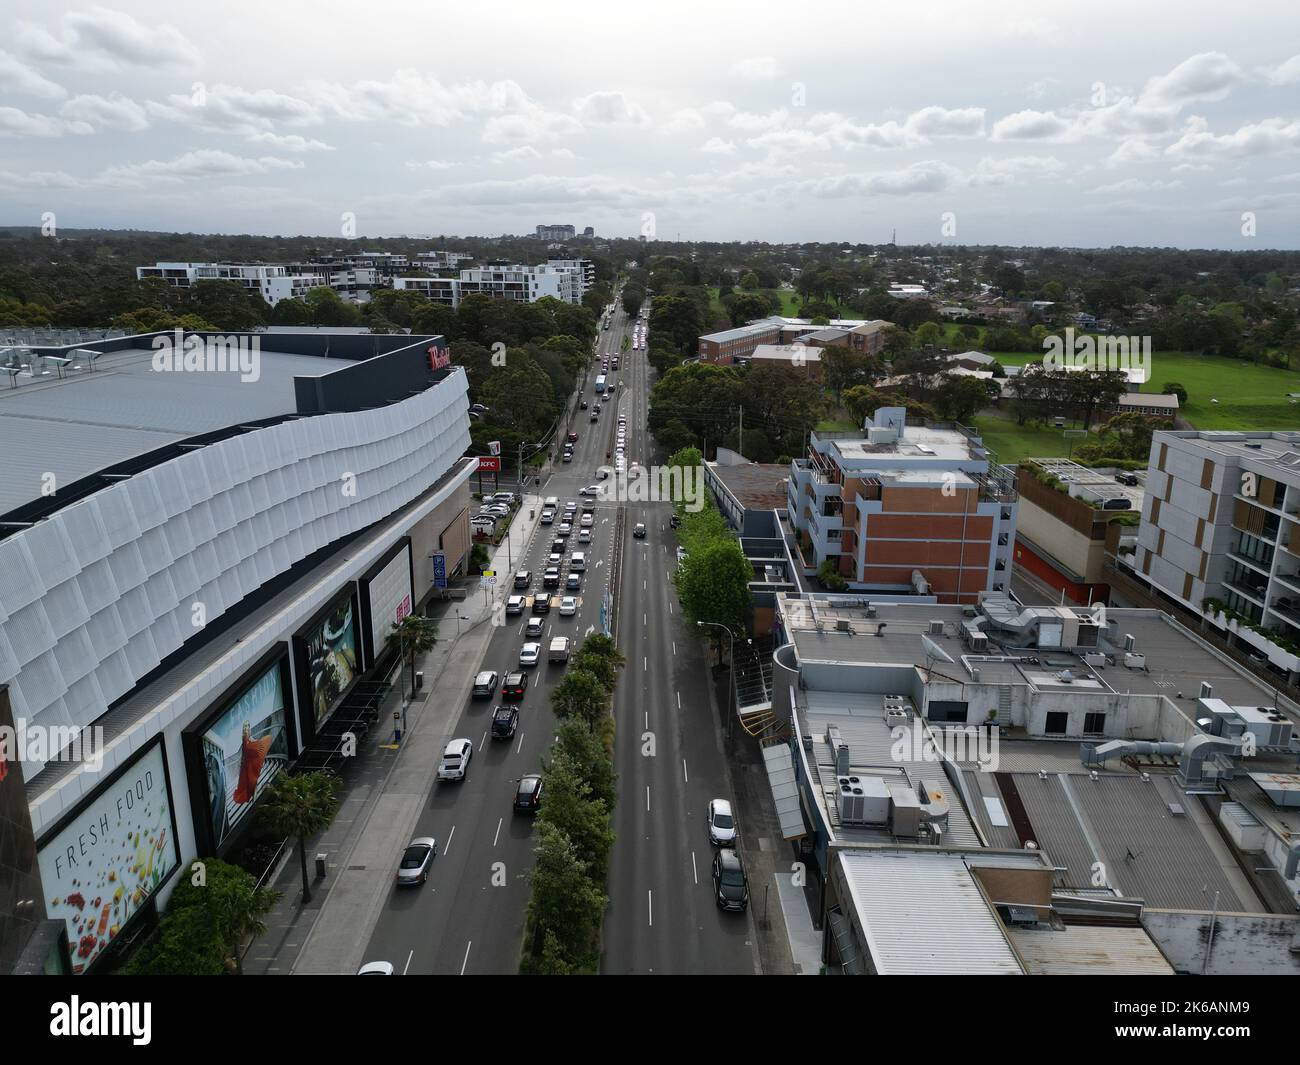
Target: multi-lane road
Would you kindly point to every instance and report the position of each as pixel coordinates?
(470, 915)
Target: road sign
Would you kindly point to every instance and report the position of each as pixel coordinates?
(440, 570)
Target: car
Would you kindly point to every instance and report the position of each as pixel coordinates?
(523, 578)
(554, 559)
(582, 405)
(639, 531)
(528, 794)
(542, 601)
(530, 653)
(588, 505)
(590, 490)
(577, 561)
(376, 968)
(572, 437)
(485, 684)
(570, 506)
(588, 520)
(455, 760)
(681, 555)
(508, 498)
(595, 417)
(674, 522)
(505, 719)
(572, 583)
(584, 535)
(551, 579)
(557, 544)
(413, 867)
(722, 825)
(567, 457)
(565, 529)
(535, 627)
(514, 605)
(514, 687)
(568, 606)
(548, 516)
(730, 885)
(551, 502)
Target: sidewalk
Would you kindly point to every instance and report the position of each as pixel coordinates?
(382, 794)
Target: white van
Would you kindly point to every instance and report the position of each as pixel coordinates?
(551, 502)
(578, 561)
(559, 651)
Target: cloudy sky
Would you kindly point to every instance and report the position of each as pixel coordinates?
(1015, 123)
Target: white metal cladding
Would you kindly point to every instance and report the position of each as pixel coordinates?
(96, 596)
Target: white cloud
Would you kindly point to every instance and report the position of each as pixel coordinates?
(204, 163)
(541, 189)
(610, 109)
(926, 177)
(990, 171)
(717, 146)
(756, 68)
(38, 179)
(1136, 185)
(524, 151)
(290, 142)
(1208, 76)
(685, 120)
(829, 130)
(1131, 152)
(103, 40)
(17, 76)
(1287, 73)
(111, 112)
(1272, 136)
(17, 123)
(1032, 125)
(231, 109)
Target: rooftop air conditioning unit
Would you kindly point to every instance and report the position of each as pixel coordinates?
(936, 627)
(895, 718)
(1207, 689)
(979, 642)
(1135, 661)
(842, 625)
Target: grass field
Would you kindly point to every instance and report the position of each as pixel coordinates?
(1014, 442)
(789, 304)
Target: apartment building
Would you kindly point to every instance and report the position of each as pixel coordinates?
(441, 260)
(557, 232)
(1220, 534)
(584, 268)
(560, 279)
(904, 509)
(270, 281)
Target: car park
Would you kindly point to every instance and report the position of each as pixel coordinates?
(514, 687)
(485, 684)
(413, 866)
(730, 885)
(530, 654)
(568, 606)
(639, 531)
(455, 760)
(505, 719)
(528, 794)
(722, 823)
(535, 627)
(514, 605)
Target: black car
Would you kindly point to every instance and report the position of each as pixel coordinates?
(514, 687)
(542, 603)
(582, 405)
(674, 521)
(528, 796)
(485, 684)
(551, 579)
(505, 719)
(730, 885)
(639, 531)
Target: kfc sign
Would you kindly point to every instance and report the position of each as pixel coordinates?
(489, 464)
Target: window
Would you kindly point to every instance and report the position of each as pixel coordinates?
(1058, 722)
(1094, 724)
(947, 710)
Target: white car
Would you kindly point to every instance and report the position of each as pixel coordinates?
(584, 535)
(722, 824)
(554, 560)
(591, 490)
(587, 521)
(531, 652)
(376, 968)
(455, 760)
(565, 529)
(514, 605)
(568, 606)
(548, 516)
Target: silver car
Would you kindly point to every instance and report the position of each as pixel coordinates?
(416, 860)
(722, 825)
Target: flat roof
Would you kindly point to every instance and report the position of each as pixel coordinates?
(916, 442)
(1279, 449)
(1089, 950)
(73, 426)
(787, 352)
(755, 485)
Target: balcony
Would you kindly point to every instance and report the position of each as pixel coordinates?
(1246, 560)
(1254, 592)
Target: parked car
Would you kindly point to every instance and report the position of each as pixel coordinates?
(582, 404)
(722, 825)
(455, 760)
(674, 522)
(485, 685)
(529, 654)
(514, 687)
(413, 868)
(505, 719)
(730, 885)
(567, 457)
(528, 794)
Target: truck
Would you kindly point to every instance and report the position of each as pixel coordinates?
(559, 651)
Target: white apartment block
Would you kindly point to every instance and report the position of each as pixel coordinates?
(1221, 522)
(561, 279)
(273, 283)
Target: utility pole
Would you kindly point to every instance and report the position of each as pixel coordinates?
(740, 442)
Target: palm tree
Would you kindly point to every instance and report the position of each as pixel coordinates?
(415, 635)
(240, 906)
(300, 806)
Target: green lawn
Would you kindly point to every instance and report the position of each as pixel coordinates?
(789, 304)
(1014, 442)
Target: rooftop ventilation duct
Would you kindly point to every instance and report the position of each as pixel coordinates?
(1097, 757)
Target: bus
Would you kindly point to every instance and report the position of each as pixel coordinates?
(600, 385)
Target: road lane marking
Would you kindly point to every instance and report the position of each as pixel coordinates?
(647, 798)
(650, 906)
(466, 961)
(679, 700)
(674, 648)
(408, 962)
(446, 848)
(685, 775)
(500, 821)
(695, 872)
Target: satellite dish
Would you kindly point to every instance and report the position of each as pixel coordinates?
(933, 650)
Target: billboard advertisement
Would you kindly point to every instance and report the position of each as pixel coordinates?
(388, 594)
(327, 651)
(243, 750)
(439, 354)
(104, 863)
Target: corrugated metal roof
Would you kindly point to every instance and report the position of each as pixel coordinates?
(1089, 951)
(778, 760)
(923, 914)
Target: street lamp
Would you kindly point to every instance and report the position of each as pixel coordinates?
(731, 655)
